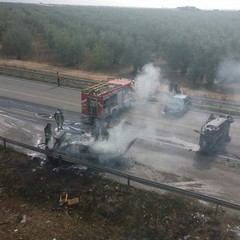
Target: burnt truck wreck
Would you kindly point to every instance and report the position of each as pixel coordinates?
(82, 145)
(214, 133)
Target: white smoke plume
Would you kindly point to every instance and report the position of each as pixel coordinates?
(120, 138)
(147, 81)
(228, 71)
(124, 134)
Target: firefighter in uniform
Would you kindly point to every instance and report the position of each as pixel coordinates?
(96, 130)
(104, 132)
(47, 134)
(59, 118)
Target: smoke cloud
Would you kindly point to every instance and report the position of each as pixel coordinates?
(120, 138)
(147, 81)
(228, 71)
(123, 135)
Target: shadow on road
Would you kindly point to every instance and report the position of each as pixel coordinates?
(203, 162)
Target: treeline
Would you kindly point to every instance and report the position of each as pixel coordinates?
(191, 41)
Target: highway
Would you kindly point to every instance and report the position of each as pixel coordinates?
(166, 149)
(37, 93)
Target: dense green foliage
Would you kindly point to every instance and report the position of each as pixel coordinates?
(17, 41)
(190, 40)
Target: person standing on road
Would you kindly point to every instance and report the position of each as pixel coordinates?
(47, 134)
(96, 130)
(59, 118)
(58, 79)
(104, 132)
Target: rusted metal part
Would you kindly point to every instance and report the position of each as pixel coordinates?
(63, 200)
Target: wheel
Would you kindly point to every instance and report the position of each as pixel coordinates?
(230, 119)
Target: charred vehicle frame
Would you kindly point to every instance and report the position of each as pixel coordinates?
(82, 145)
(214, 133)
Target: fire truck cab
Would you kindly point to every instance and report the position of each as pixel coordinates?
(107, 99)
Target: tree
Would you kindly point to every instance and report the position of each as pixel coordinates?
(137, 52)
(17, 41)
(205, 60)
(178, 53)
(69, 49)
(101, 57)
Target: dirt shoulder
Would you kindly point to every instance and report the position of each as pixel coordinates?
(104, 209)
(54, 69)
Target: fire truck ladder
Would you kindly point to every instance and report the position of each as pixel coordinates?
(95, 88)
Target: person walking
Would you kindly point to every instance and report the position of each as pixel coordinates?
(47, 134)
(59, 118)
(58, 79)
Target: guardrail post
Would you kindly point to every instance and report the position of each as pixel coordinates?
(216, 210)
(4, 143)
(60, 160)
(128, 179)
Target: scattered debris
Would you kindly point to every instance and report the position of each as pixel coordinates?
(24, 219)
(64, 200)
(73, 201)
(187, 237)
(3, 223)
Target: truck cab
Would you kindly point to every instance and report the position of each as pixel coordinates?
(214, 133)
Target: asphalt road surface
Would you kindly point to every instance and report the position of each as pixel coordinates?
(45, 94)
(166, 149)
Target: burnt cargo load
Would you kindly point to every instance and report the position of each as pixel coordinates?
(107, 99)
(215, 133)
(81, 145)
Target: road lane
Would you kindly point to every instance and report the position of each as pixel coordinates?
(185, 169)
(39, 93)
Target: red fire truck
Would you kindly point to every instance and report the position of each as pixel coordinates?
(107, 99)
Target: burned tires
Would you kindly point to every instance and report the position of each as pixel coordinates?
(230, 119)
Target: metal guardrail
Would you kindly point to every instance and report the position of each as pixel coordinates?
(216, 105)
(37, 75)
(129, 178)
